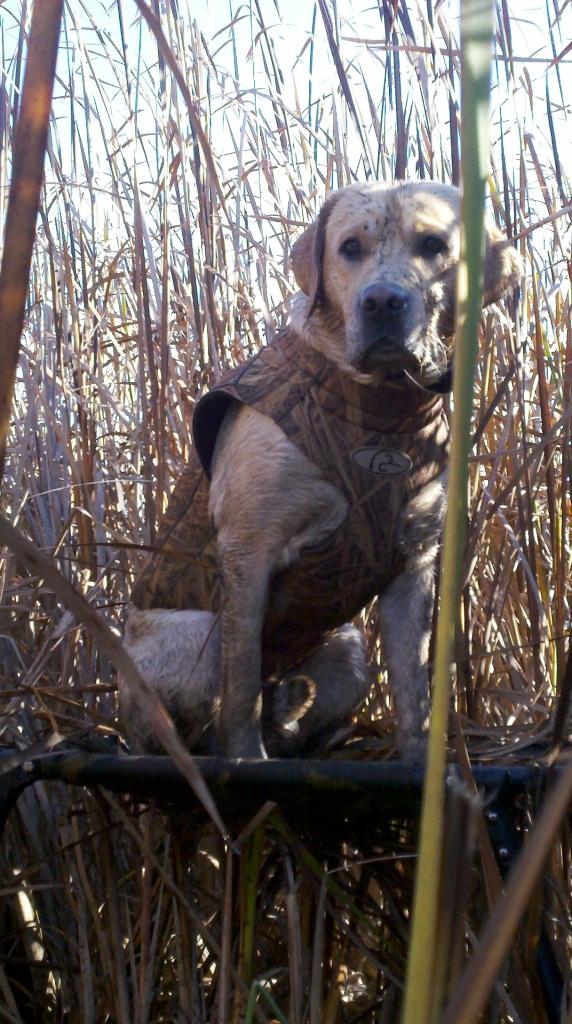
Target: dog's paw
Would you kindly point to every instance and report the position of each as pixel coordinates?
(245, 744)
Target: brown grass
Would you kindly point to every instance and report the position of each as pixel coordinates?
(162, 256)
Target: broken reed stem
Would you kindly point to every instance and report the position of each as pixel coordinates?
(108, 642)
(476, 47)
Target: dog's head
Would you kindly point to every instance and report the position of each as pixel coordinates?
(379, 269)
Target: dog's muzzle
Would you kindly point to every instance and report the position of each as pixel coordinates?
(384, 314)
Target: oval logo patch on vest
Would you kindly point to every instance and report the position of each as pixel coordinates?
(381, 461)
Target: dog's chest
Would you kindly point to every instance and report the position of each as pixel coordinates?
(381, 478)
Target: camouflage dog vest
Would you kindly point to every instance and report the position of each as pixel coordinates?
(379, 446)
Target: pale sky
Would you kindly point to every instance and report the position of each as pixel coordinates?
(93, 29)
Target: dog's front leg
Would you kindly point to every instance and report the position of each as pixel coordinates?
(406, 615)
(406, 611)
(245, 596)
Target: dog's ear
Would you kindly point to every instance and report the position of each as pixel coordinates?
(502, 269)
(302, 258)
(503, 266)
(308, 257)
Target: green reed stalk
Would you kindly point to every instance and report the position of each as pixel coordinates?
(421, 1004)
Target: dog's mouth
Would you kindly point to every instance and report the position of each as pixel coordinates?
(385, 354)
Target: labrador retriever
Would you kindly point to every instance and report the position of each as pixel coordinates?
(318, 483)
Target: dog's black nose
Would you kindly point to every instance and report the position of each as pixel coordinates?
(379, 300)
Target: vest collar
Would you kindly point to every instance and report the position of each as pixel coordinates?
(441, 385)
(397, 404)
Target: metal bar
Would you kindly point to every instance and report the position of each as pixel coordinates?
(355, 797)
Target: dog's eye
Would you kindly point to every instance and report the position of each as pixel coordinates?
(432, 245)
(351, 248)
